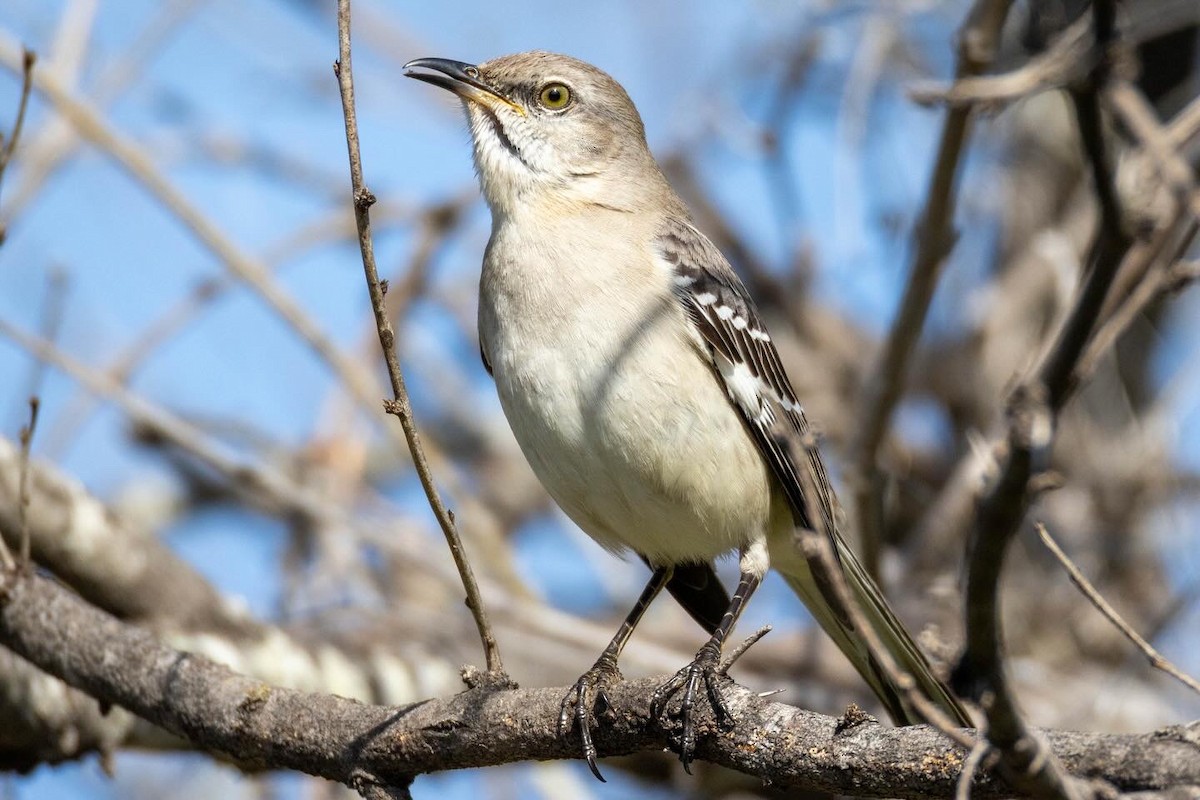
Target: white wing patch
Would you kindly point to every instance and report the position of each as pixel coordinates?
(746, 390)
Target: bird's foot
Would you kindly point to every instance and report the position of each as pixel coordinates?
(586, 703)
(706, 669)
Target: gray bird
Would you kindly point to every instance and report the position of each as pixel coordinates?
(639, 379)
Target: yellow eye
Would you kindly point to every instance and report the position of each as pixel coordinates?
(555, 96)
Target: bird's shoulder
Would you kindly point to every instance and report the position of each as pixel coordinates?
(721, 308)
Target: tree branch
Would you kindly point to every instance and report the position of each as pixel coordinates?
(375, 746)
(1033, 412)
(933, 241)
(400, 405)
(1156, 659)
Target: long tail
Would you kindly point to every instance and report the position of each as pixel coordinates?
(891, 632)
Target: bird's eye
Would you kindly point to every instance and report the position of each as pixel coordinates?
(555, 96)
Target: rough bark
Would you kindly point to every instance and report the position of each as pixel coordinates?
(366, 746)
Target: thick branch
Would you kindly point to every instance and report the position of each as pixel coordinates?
(128, 574)
(367, 746)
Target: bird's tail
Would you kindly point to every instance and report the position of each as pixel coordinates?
(891, 632)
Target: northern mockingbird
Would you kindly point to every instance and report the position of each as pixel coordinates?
(638, 377)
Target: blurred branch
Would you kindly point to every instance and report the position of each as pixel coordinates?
(400, 405)
(56, 142)
(254, 274)
(934, 239)
(127, 574)
(8, 147)
(1155, 658)
(26, 440)
(1023, 472)
(1160, 272)
(1136, 112)
(204, 294)
(1068, 59)
(260, 485)
(362, 745)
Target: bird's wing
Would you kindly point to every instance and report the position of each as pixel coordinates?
(744, 359)
(746, 362)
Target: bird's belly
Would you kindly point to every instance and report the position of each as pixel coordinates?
(637, 463)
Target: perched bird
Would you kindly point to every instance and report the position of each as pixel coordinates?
(639, 378)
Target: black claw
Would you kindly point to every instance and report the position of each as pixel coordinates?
(704, 669)
(588, 693)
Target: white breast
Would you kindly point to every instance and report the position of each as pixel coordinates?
(620, 419)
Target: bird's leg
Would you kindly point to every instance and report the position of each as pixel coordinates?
(706, 666)
(589, 690)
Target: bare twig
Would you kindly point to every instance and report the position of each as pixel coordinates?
(966, 778)
(28, 59)
(1156, 659)
(934, 238)
(1136, 112)
(26, 439)
(1066, 60)
(400, 405)
(6, 151)
(741, 649)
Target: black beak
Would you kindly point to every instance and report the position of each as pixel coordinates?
(461, 78)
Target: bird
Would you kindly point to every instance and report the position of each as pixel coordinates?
(641, 382)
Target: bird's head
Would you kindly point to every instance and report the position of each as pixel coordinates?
(548, 127)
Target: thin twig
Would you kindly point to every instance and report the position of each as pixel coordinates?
(934, 239)
(6, 152)
(400, 405)
(1162, 273)
(966, 778)
(1156, 659)
(28, 59)
(741, 649)
(1136, 112)
(26, 439)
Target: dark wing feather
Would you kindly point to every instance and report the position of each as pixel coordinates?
(697, 588)
(726, 319)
